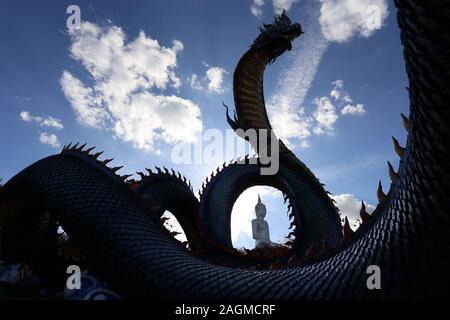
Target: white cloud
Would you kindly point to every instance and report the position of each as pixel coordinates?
(195, 82)
(290, 119)
(342, 19)
(325, 116)
(129, 80)
(215, 76)
(343, 99)
(86, 105)
(350, 206)
(255, 8)
(353, 110)
(173, 225)
(50, 139)
(279, 5)
(213, 80)
(46, 121)
(335, 94)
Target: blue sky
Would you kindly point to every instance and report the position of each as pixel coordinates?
(338, 65)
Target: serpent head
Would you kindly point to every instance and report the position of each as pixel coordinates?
(277, 37)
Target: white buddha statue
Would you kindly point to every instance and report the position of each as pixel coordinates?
(260, 227)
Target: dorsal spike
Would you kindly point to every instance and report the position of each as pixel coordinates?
(348, 232)
(80, 148)
(365, 216)
(98, 154)
(398, 149)
(89, 150)
(126, 176)
(406, 123)
(166, 170)
(75, 146)
(158, 169)
(392, 174)
(380, 194)
(68, 146)
(141, 174)
(105, 162)
(115, 169)
(149, 170)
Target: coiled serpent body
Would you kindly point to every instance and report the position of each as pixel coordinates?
(116, 224)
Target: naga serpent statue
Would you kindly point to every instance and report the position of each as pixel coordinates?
(115, 223)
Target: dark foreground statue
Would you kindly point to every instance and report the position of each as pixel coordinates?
(115, 224)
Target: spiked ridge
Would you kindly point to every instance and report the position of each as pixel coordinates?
(398, 149)
(93, 158)
(143, 178)
(365, 216)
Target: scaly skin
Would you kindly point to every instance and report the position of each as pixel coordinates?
(407, 236)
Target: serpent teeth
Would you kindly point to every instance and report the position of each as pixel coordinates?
(380, 194)
(348, 232)
(406, 122)
(392, 174)
(365, 216)
(399, 149)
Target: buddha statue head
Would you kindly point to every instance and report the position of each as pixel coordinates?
(260, 209)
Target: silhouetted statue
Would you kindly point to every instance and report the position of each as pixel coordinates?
(260, 227)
